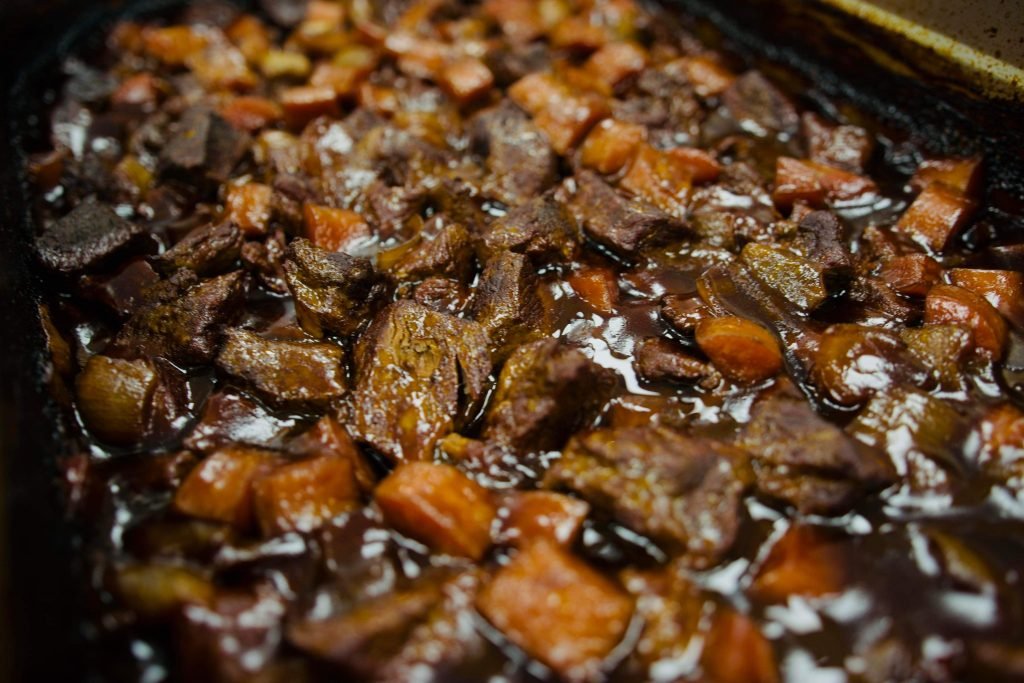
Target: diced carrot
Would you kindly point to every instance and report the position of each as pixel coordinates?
(737, 652)
(911, 275)
(935, 217)
(378, 98)
(343, 80)
(249, 207)
(220, 487)
(961, 175)
(302, 496)
(596, 286)
(612, 145)
(802, 562)
(173, 45)
(662, 179)
(140, 90)
(250, 36)
(615, 62)
(334, 229)
(949, 304)
(439, 506)
(557, 609)
(740, 349)
(702, 167)
(418, 57)
(708, 77)
(467, 79)
(815, 183)
(518, 19)
(251, 113)
(578, 33)
(328, 439)
(542, 515)
(305, 103)
(1004, 289)
(1002, 433)
(564, 116)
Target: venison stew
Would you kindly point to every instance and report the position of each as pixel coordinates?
(519, 340)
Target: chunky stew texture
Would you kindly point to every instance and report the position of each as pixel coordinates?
(522, 341)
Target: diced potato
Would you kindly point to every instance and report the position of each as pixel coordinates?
(800, 281)
(281, 63)
(156, 591)
(334, 229)
(467, 79)
(802, 180)
(439, 506)
(854, 361)
(564, 116)
(615, 62)
(557, 609)
(1004, 289)
(114, 396)
(802, 562)
(740, 349)
(220, 487)
(305, 103)
(304, 495)
(911, 275)
(173, 45)
(532, 516)
(737, 652)
(708, 77)
(949, 304)
(596, 286)
(611, 145)
(936, 217)
(251, 113)
(249, 207)
(960, 175)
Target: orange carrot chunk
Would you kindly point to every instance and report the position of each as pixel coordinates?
(251, 113)
(173, 45)
(949, 304)
(334, 229)
(911, 275)
(305, 103)
(960, 175)
(702, 167)
(708, 77)
(557, 609)
(532, 516)
(737, 652)
(615, 62)
(802, 562)
(596, 286)
(249, 207)
(936, 216)
(612, 145)
(220, 487)
(564, 116)
(661, 179)
(467, 79)
(304, 495)
(740, 349)
(1004, 289)
(438, 506)
(815, 183)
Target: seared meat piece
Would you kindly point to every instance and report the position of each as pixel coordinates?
(393, 207)
(447, 253)
(518, 155)
(229, 418)
(820, 234)
(680, 491)
(85, 237)
(418, 372)
(543, 228)
(206, 250)
(287, 373)
(184, 323)
(122, 293)
(659, 359)
(546, 391)
(334, 293)
(810, 463)
(845, 147)
(506, 303)
(203, 149)
(440, 294)
(759, 107)
(621, 224)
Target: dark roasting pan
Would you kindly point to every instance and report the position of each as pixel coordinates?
(940, 102)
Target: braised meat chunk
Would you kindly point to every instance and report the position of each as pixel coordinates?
(85, 237)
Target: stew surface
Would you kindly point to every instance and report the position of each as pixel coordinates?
(522, 341)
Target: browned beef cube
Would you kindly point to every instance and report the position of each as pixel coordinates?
(203, 148)
(808, 462)
(546, 391)
(518, 155)
(287, 373)
(329, 439)
(679, 491)
(543, 229)
(124, 292)
(392, 208)
(759, 107)
(506, 302)
(441, 294)
(659, 359)
(559, 610)
(186, 329)
(229, 418)
(619, 223)
(205, 250)
(845, 147)
(417, 372)
(821, 235)
(85, 237)
(448, 252)
(334, 292)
